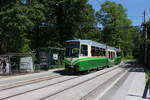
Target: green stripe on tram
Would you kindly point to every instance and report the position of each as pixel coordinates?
(84, 59)
(93, 62)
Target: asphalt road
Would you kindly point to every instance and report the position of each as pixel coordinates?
(54, 85)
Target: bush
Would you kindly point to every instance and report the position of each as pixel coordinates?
(128, 57)
(148, 78)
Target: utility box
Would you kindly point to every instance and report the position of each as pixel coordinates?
(50, 57)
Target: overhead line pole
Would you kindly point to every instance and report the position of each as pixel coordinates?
(145, 34)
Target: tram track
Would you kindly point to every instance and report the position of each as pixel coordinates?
(102, 88)
(36, 89)
(49, 85)
(28, 82)
(77, 84)
(57, 94)
(55, 84)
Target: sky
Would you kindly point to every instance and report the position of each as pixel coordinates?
(135, 8)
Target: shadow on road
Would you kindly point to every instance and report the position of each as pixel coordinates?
(64, 72)
(138, 96)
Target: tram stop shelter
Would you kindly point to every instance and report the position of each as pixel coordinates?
(50, 57)
(16, 63)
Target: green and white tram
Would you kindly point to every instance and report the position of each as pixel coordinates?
(84, 55)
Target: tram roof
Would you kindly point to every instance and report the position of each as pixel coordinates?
(93, 43)
(112, 48)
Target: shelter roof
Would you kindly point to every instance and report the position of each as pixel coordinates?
(16, 54)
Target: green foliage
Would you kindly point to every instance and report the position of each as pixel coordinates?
(15, 21)
(23, 30)
(43, 23)
(117, 30)
(148, 77)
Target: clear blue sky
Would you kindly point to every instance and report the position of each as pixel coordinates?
(135, 8)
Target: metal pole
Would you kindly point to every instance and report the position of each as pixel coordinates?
(145, 33)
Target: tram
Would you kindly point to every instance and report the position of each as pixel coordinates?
(85, 55)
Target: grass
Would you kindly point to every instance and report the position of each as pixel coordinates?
(128, 58)
(148, 76)
(147, 71)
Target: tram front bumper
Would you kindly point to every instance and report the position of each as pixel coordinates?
(71, 67)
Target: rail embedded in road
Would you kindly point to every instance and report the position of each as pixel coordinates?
(96, 74)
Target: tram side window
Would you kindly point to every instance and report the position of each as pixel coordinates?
(109, 54)
(93, 51)
(67, 54)
(104, 52)
(97, 51)
(112, 55)
(84, 50)
(101, 53)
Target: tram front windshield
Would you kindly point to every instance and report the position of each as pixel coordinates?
(72, 49)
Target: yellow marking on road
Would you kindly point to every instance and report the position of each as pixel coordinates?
(28, 81)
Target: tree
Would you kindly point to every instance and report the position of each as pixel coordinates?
(16, 20)
(116, 26)
(75, 18)
(144, 42)
(66, 19)
(27, 27)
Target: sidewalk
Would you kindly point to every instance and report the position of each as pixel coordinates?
(138, 89)
(133, 88)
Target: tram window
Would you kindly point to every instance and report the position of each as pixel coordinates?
(93, 53)
(72, 52)
(101, 54)
(68, 52)
(100, 51)
(104, 52)
(109, 54)
(84, 50)
(97, 51)
(112, 55)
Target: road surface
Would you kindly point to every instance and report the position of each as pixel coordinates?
(121, 82)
